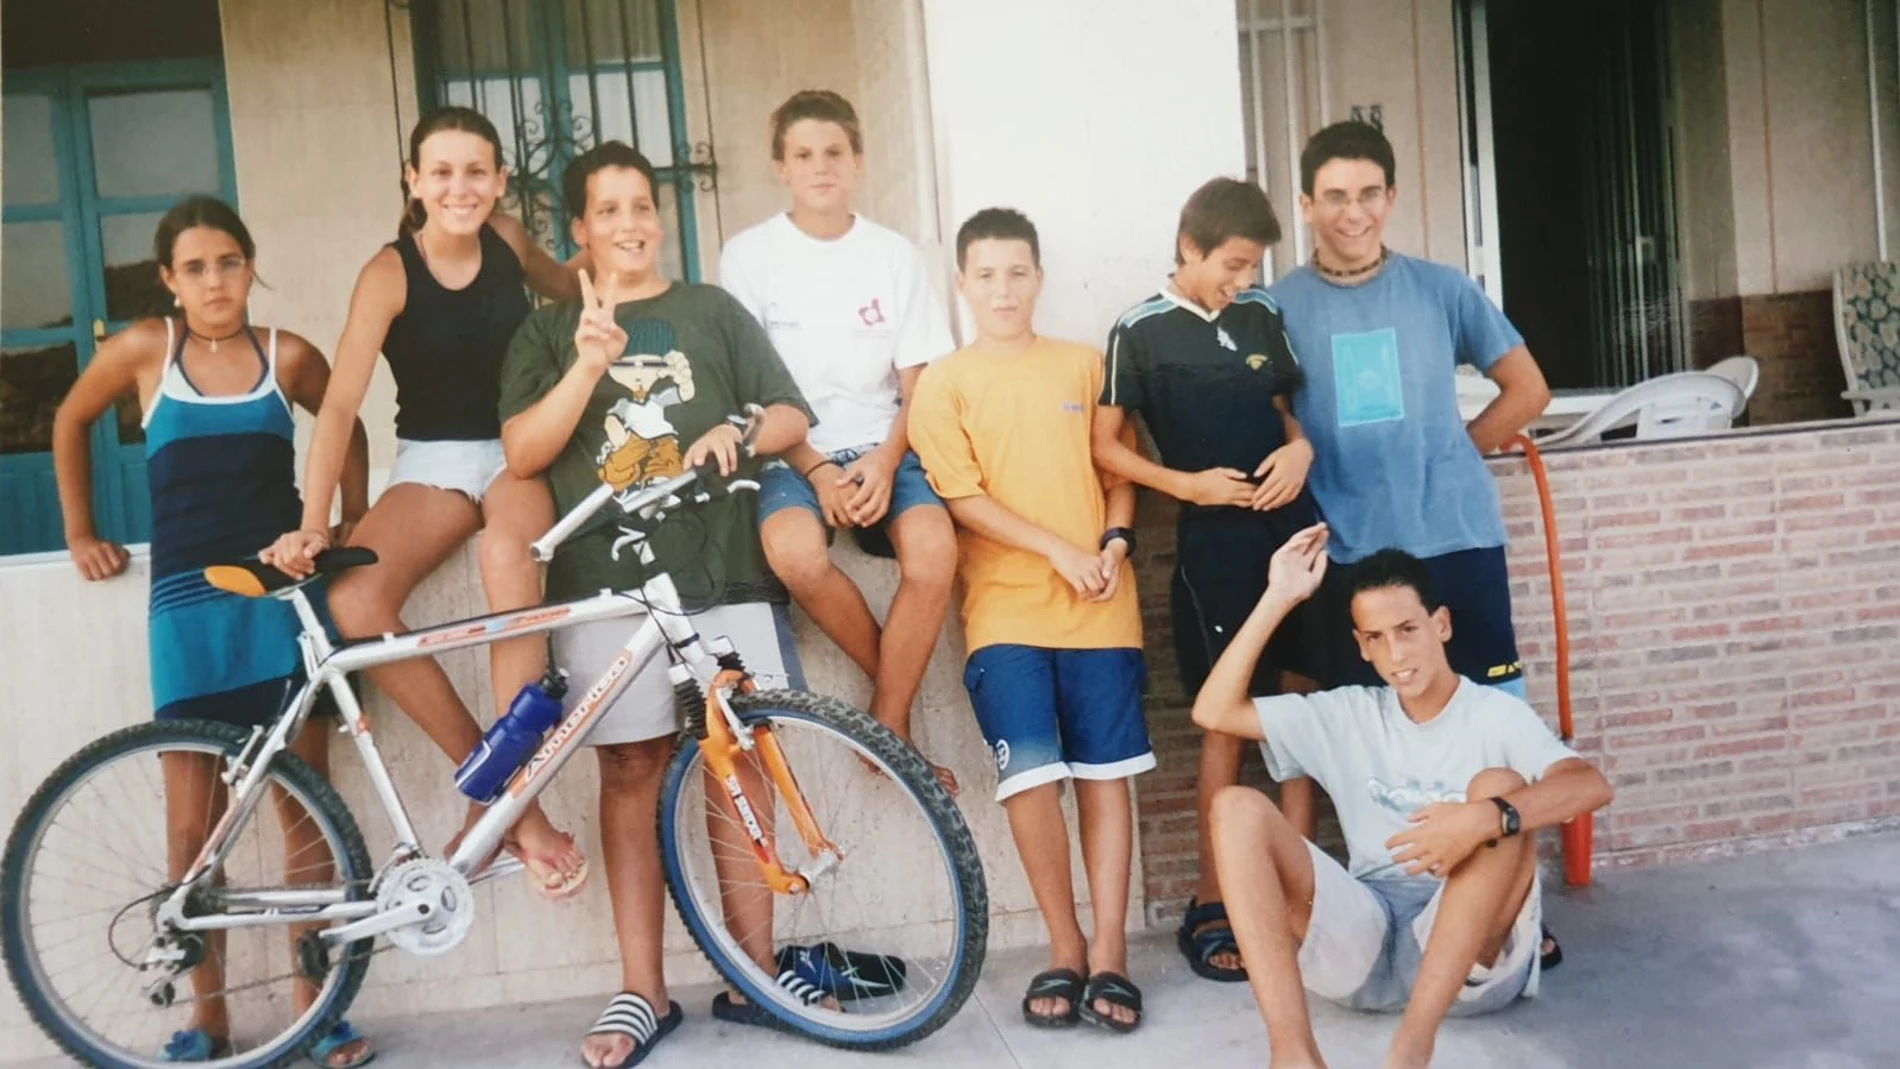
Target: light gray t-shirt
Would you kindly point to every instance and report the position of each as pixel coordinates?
(1379, 766)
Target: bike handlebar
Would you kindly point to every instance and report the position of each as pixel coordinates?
(634, 502)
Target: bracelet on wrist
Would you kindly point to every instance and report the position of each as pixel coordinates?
(808, 471)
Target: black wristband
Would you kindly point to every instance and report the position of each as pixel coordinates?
(807, 472)
(1126, 534)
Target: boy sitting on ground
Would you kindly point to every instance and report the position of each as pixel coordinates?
(1437, 782)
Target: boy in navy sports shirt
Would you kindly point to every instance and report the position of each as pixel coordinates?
(1206, 367)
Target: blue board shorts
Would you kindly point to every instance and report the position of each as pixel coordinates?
(782, 488)
(1053, 714)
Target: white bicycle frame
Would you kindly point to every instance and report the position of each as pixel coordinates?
(327, 665)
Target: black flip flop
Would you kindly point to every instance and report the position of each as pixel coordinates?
(1205, 932)
(631, 1015)
(1116, 990)
(1550, 959)
(1055, 983)
(751, 1013)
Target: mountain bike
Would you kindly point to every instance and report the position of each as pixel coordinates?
(109, 937)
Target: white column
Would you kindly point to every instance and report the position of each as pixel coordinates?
(1096, 118)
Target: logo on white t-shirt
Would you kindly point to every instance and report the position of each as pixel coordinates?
(872, 314)
(1408, 798)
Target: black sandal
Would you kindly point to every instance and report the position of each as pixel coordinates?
(1550, 959)
(1055, 983)
(1205, 932)
(1116, 990)
(632, 1016)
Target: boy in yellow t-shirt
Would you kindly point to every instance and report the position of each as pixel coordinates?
(1055, 671)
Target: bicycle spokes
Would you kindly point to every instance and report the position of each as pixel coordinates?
(890, 941)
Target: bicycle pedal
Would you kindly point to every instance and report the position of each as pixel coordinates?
(313, 958)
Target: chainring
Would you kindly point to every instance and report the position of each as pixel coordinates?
(446, 895)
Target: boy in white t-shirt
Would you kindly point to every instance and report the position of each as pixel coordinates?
(1437, 782)
(848, 306)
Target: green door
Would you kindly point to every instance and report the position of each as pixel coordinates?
(94, 156)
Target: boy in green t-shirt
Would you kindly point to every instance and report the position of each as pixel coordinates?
(633, 384)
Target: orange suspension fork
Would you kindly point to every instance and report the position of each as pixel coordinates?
(1578, 835)
(723, 752)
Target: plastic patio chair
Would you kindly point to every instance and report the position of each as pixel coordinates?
(1743, 371)
(1867, 326)
(1668, 406)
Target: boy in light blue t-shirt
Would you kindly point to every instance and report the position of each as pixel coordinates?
(1380, 336)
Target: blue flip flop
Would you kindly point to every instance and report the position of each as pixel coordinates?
(194, 1045)
(340, 1035)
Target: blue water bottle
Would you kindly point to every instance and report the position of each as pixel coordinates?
(513, 739)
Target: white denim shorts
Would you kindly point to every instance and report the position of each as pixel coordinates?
(761, 632)
(1366, 938)
(466, 467)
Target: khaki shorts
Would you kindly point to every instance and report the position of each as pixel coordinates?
(761, 632)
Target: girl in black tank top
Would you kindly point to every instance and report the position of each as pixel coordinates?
(445, 346)
(441, 303)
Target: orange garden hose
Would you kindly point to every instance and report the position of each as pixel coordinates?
(1578, 834)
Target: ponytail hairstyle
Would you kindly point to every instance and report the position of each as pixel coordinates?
(451, 117)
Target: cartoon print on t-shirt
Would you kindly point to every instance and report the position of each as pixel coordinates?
(642, 446)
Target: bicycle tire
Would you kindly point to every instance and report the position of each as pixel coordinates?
(323, 803)
(920, 782)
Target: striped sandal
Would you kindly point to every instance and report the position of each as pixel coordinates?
(749, 1012)
(630, 1015)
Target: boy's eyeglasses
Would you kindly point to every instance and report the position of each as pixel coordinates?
(1338, 201)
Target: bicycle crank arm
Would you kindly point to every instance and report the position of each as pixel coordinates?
(497, 869)
(401, 917)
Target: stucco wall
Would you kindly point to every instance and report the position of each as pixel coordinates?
(1099, 154)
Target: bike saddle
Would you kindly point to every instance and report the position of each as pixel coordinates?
(255, 579)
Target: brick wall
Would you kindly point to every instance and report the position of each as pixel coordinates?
(1734, 612)
(1792, 335)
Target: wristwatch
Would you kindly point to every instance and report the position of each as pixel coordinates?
(1508, 818)
(1126, 534)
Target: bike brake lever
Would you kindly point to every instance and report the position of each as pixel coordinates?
(628, 536)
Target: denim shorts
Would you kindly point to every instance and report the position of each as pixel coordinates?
(1052, 714)
(1366, 939)
(782, 488)
(468, 468)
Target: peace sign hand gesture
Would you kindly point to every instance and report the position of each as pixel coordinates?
(598, 340)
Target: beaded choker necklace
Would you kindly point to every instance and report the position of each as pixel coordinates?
(1357, 273)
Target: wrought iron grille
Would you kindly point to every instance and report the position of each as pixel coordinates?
(558, 77)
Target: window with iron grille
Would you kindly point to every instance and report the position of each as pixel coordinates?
(558, 77)
(1283, 99)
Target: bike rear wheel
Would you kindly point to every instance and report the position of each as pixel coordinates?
(92, 856)
(906, 899)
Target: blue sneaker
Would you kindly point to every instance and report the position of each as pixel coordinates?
(845, 975)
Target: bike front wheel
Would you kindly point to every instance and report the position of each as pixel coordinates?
(886, 943)
(101, 844)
